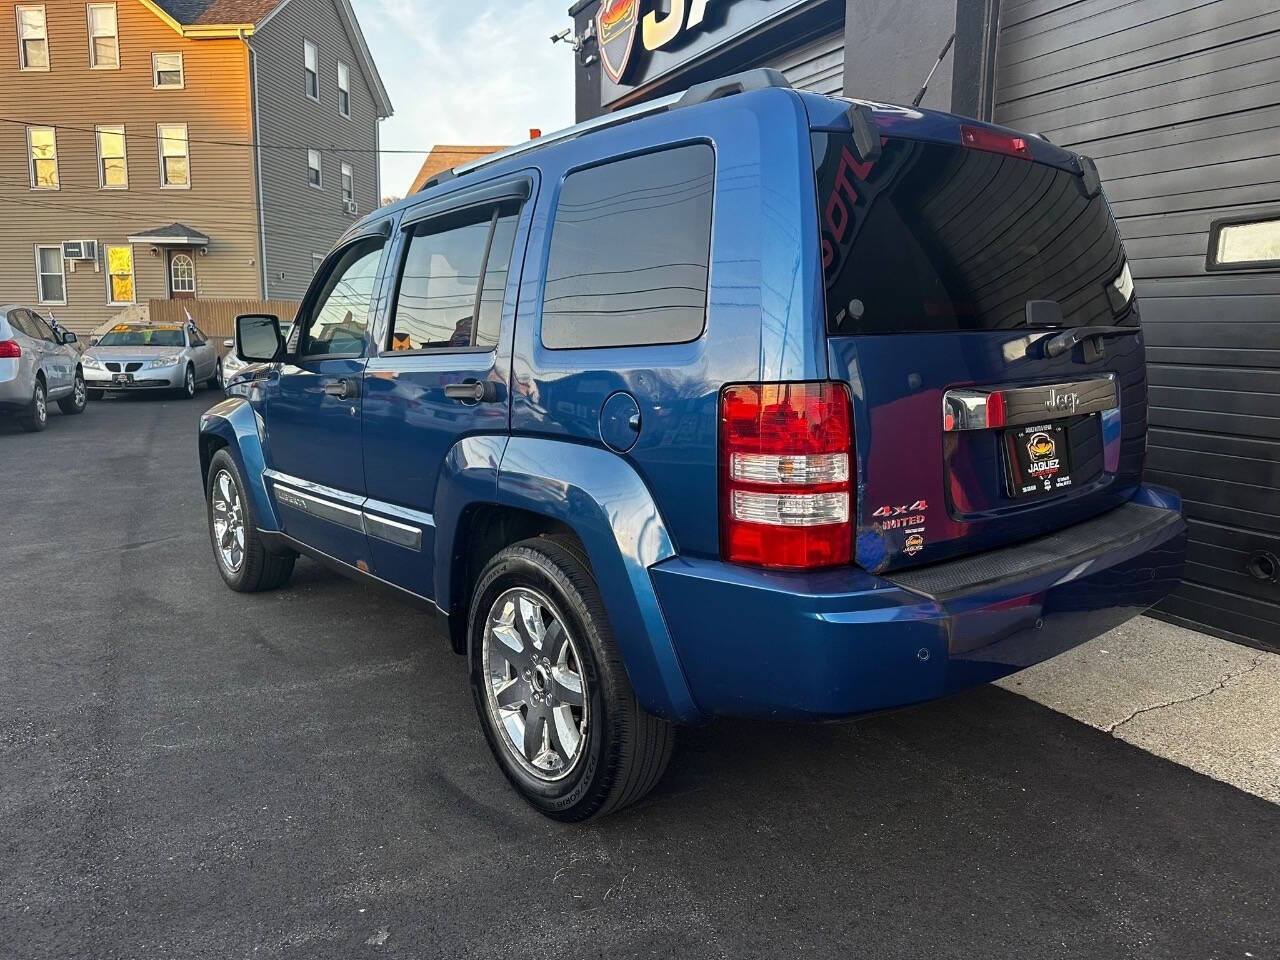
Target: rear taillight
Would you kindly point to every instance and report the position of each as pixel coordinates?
(786, 477)
(9, 349)
(982, 139)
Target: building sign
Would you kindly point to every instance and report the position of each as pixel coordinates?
(643, 40)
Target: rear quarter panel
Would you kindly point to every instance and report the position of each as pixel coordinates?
(764, 310)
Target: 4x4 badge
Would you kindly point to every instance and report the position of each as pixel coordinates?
(616, 23)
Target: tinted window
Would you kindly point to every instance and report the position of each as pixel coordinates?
(936, 238)
(41, 327)
(629, 252)
(19, 320)
(440, 288)
(341, 312)
(124, 335)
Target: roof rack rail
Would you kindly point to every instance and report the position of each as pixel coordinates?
(744, 82)
(759, 79)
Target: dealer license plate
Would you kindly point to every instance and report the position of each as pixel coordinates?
(1037, 460)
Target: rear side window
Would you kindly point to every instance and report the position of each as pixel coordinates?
(630, 251)
(453, 280)
(938, 238)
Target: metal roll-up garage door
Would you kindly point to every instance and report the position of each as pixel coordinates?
(1179, 103)
(816, 66)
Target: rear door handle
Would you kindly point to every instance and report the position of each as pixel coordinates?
(473, 391)
(343, 389)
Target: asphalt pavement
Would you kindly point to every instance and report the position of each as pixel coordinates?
(187, 772)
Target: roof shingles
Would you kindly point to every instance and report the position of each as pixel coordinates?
(201, 13)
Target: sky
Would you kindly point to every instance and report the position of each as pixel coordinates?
(466, 71)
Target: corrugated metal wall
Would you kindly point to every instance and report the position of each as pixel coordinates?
(1179, 103)
(816, 66)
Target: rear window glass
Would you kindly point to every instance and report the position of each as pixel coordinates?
(630, 251)
(937, 238)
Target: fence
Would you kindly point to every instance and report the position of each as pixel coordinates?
(217, 318)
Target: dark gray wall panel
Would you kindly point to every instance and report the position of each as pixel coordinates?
(1179, 103)
(299, 219)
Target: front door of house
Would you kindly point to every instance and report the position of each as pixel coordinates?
(182, 275)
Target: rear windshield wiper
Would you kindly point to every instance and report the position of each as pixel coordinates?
(1069, 338)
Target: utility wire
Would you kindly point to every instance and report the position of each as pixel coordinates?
(247, 144)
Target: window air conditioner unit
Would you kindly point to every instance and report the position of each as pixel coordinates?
(80, 250)
(351, 206)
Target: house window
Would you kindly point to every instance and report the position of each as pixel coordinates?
(344, 89)
(309, 70)
(313, 169)
(182, 273)
(33, 40)
(166, 71)
(42, 148)
(119, 274)
(348, 184)
(104, 41)
(1242, 244)
(51, 282)
(113, 169)
(175, 168)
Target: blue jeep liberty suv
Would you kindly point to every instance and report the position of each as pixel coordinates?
(747, 401)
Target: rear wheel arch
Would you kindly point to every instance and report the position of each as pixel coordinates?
(483, 531)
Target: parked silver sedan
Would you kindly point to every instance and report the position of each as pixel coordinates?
(150, 356)
(38, 364)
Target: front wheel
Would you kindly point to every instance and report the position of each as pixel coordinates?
(189, 382)
(36, 416)
(79, 397)
(551, 689)
(242, 559)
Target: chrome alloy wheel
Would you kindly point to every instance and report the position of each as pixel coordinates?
(189, 383)
(534, 684)
(79, 395)
(41, 404)
(228, 521)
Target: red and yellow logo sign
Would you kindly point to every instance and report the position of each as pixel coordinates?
(616, 23)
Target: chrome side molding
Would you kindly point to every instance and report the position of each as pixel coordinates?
(321, 502)
(990, 408)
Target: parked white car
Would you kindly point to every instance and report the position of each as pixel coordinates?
(230, 364)
(150, 356)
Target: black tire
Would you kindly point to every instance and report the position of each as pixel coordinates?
(625, 749)
(35, 417)
(189, 382)
(78, 400)
(96, 394)
(258, 569)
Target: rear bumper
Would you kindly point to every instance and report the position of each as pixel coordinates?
(842, 642)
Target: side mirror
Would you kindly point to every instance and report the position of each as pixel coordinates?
(93, 341)
(258, 338)
(69, 337)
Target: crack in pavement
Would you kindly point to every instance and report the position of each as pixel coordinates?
(1221, 683)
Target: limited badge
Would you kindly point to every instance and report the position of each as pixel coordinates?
(616, 23)
(913, 545)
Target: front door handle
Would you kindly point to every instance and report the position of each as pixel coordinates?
(472, 391)
(343, 389)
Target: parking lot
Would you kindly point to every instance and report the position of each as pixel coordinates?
(189, 772)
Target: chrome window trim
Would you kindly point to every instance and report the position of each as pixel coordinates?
(966, 409)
